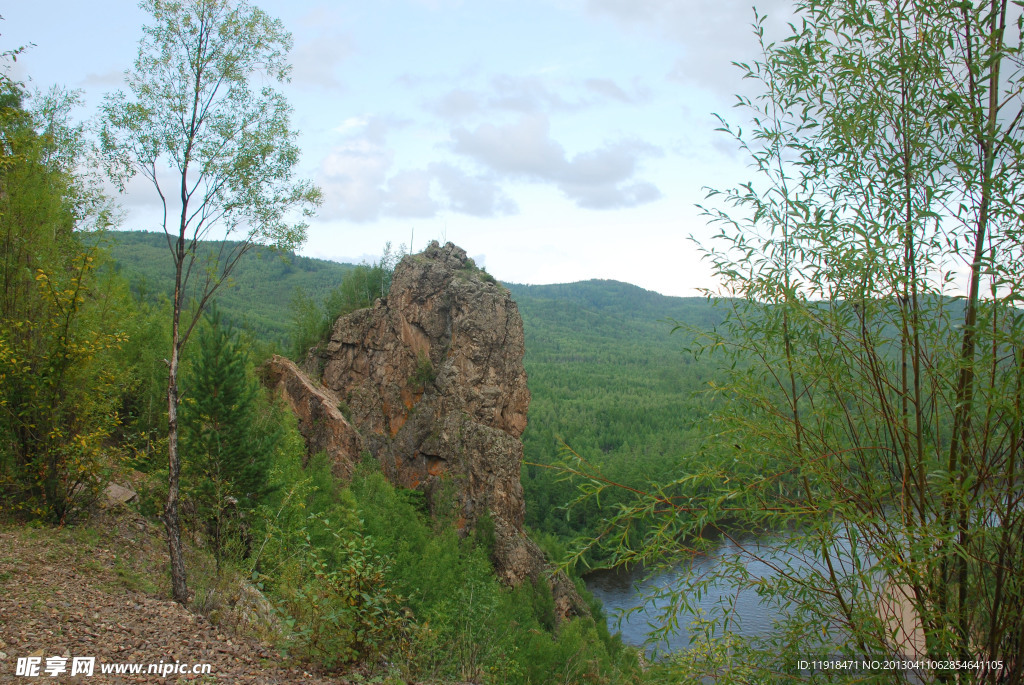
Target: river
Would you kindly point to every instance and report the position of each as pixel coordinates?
(620, 591)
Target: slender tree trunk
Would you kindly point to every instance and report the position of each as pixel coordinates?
(172, 522)
(179, 586)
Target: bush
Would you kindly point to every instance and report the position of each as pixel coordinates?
(424, 373)
(347, 613)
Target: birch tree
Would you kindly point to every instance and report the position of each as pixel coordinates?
(203, 124)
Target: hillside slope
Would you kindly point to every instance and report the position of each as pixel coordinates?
(260, 291)
(99, 590)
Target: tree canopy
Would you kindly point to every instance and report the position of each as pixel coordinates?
(194, 115)
(874, 411)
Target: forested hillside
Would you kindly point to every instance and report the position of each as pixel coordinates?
(607, 374)
(611, 380)
(263, 286)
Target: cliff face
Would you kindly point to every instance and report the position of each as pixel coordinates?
(432, 381)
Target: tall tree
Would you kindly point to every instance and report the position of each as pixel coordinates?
(58, 387)
(876, 266)
(229, 446)
(219, 153)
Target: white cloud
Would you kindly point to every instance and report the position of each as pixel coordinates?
(317, 58)
(473, 195)
(351, 125)
(611, 195)
(457, 103)
(351, 176)
(611, 90)
(597, 179)
(523, 148)
(373, 128)
(408, 195)
(526, 94)
(712, 33)
(113, 78)
(360, 185)
(534, 94)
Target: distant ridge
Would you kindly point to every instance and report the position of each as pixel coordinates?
(263, 284)
(623, 300)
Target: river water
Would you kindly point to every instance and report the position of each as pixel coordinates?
(620, 591)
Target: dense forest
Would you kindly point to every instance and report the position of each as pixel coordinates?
(612, 380)
(854, 388)
(608, 376)
(263, 288)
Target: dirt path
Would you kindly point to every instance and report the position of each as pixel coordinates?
(92, 592)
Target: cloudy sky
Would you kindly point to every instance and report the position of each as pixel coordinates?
(555, 140)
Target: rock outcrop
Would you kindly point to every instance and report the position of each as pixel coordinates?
(431, 379)
(321, 420)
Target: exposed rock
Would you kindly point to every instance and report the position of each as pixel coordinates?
(321, 420)
(115, 494)
(434, 383)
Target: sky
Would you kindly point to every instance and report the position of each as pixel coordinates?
(554, 140)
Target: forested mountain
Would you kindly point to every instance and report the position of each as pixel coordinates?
(263, 285)
(613, 382)
(607, 374)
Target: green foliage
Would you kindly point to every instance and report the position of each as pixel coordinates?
(606, 378)
(142, 412)
(347, 613)
(874, 410)
(360, 287)
(259, 299)
(228, 445)
(193, 108)
(424, 373)
(483, 533)
(472, 628)
(542, 602)
(59, 320)
(192, 104)
(363, 574)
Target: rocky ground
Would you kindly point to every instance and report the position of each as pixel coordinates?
(98, 590)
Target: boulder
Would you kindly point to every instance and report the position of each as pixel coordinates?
(433, 384)
(116, 495)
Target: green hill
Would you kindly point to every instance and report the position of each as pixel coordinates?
(261, 289)
(607, 375)
(611, 380)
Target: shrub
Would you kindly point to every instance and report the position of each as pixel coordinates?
(424, 374)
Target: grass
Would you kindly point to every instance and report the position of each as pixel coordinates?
(133, 579)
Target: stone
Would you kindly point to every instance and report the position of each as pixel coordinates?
(321, 421)
(434, 388)
(114, 495)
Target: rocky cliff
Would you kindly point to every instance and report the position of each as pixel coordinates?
(430, 381)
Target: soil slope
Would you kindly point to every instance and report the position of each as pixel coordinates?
(98, 590)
